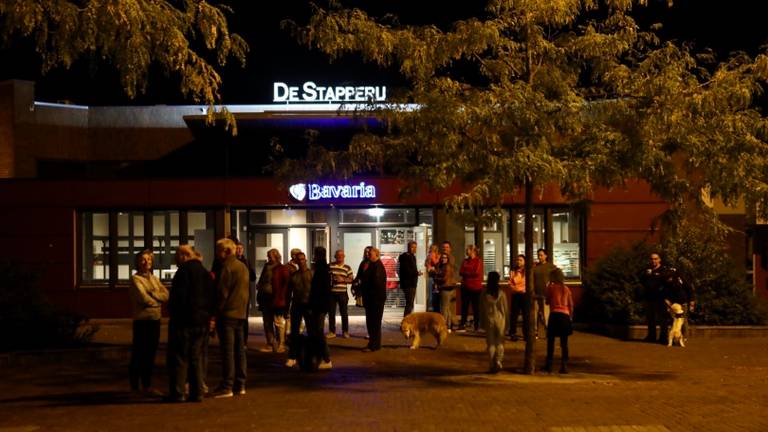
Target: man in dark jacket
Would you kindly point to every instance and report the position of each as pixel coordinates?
(231, 307)
(319, 300)
(409, 275)
(373, 283)
(190, 307)
(652, 280)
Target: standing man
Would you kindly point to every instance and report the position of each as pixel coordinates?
(374, 287)
(409, 275)
(652, 280)
(231, 307)
(240, 254)
(190, 308)
(541, 272)
(341, 275)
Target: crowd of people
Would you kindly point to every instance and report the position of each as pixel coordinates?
(294, 297)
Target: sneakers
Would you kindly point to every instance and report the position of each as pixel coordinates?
(280, 349)
(325, 365)
(346, 335)
(266, 349)
(461, 330)
(240, 391)
(290, 363)
(330, 335)
(222, 393)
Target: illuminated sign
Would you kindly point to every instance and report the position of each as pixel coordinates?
(315, 192)
(311, 92)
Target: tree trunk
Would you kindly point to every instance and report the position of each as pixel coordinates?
(530, 317)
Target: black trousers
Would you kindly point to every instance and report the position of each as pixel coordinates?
(410, 296)
(146, 337)
(374, 313)
(518, 305)
(470, 297)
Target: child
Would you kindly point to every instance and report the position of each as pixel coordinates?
(496, 318)
(560, 301)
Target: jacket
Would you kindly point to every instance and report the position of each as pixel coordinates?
(232, 290)
(192, 295)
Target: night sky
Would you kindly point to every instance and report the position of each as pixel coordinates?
(275, 56)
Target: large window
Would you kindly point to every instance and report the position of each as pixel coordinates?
(114, 238)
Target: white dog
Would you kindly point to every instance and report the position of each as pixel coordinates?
(676, 331)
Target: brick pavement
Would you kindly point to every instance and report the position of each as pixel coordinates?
(717, 384)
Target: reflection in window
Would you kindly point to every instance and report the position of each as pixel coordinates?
(165, 240)
(538, 233)
(95, 259)
(130, 241)
(565, 243)
(378, 215)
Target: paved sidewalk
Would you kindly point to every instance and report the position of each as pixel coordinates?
(716, 384)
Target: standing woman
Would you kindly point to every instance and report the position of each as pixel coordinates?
(471, 273)
(374, 287)
(431, 264)
(560, 303)
(445, 279)
(147, 294)
(517, 287)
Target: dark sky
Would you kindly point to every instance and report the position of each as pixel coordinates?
(275, 56)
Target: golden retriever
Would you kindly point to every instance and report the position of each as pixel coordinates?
(417, 323)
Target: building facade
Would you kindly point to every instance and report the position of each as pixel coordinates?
(87, 188)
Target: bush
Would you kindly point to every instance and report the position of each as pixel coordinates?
(29, 321)
(696, 249)
(611, 287)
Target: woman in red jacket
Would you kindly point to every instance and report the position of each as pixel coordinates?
(471, 273)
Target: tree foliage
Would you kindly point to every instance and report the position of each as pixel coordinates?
(570, 92)
(131, 35)
(540, 92)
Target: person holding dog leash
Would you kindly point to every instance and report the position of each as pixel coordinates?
(676, 290)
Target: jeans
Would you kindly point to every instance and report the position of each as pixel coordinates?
(233, 356)
(448, 306)
(298, 312)
(185, 359)
(146, 337)
(343, 300)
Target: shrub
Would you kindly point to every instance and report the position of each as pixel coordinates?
(696, 249)
(29, 321)
(611, 287)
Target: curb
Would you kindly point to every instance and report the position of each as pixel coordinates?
(636, 332)
(72, 355)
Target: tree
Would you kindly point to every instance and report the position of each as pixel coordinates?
(132, 35)
(538, 92)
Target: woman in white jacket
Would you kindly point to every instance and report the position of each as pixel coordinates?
(147, 295)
